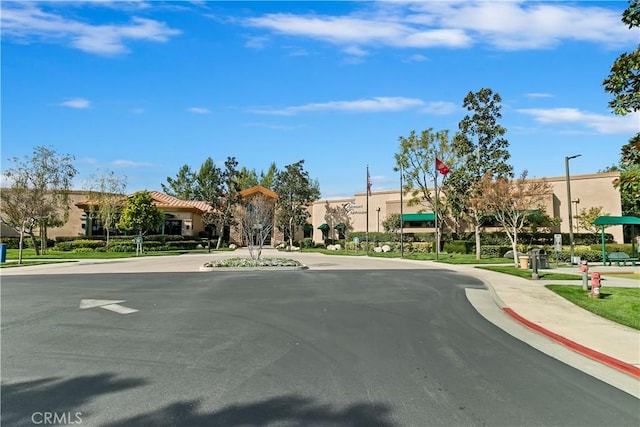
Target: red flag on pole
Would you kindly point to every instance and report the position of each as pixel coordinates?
(441, 167)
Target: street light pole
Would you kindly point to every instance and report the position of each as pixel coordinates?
(378, 219)
(571, 244)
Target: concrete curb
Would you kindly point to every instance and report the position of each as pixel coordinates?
(578, 348)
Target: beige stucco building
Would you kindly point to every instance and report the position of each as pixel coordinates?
(587, 191)
(185, 217)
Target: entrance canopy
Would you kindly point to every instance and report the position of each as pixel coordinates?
(617, 220)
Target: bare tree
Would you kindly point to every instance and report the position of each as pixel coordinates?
(511, 202)
(256, 221)
(39, 193)
(106, 194)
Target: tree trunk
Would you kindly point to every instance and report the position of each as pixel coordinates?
(514, 247)
(20, 244)
(36, 247)
(476, 229)
(219, 241)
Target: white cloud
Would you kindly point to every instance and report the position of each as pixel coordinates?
(355, 51)
(79, 103)
(198, 110)
(538, 95)
(440, 108)
(416, 58)
(601, 123)
(372, 105)
(457, 24)
(27, 22)
(129, 164)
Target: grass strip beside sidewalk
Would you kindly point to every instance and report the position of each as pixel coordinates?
(526, 273)
(621, 305)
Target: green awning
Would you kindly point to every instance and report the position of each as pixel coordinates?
(340, 226)
(307, 227)
(617, 220)
(323, 227)
(419, 217)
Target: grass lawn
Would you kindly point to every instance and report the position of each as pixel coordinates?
(526, 273)
(29, 254)
(622, 305)
(421, 256)
(632, 276)
(30, 262)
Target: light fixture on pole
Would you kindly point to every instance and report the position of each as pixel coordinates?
(378, 218)
(571, 243)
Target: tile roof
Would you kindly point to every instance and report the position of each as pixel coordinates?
(165, 201)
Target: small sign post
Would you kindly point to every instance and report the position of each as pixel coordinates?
(138, 241)
(557, 245)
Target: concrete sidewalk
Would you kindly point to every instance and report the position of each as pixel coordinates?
(527, 301)
(542, 310)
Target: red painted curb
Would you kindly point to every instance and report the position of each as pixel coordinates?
(592, 354)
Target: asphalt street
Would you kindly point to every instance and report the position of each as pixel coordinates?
(284, 348)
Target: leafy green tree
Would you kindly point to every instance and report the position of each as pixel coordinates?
(106, 194)
(392, 224)
(268, 179)
(623, 81)
(250, 178)
(295, 190)
(208, 182)
(586, 217)
(417, 158)
(140, 214)
(40, 186)
(481, 147)
(624, 84)
(247, 178)
(225, 205)
(183, 186)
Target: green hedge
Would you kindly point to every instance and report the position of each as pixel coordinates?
(77, 244)
(14, 242)
(614, 247)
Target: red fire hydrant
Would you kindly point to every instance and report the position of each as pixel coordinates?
(595, 285)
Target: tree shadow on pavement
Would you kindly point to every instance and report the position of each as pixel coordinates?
(20, 401)
(287, 410)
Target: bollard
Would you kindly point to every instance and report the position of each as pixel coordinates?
(534, 268)
(584, 267)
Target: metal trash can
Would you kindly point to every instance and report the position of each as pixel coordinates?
(3, 252)
(540, 255)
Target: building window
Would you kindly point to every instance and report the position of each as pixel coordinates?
(173, 227)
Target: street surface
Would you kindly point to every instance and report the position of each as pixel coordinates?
(394, 347)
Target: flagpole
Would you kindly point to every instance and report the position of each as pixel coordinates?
(368, 189)
(436, 212)
(401, 213)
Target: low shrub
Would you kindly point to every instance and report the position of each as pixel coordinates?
(457, 247)
(494, 251)
(71, 245)
(307, 243)
(613, 247)
(83, 250)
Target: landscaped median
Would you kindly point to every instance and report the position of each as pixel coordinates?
(249, 263)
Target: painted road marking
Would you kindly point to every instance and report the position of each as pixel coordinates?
(110, 305)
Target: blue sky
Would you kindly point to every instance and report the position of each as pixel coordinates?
(141, 88)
